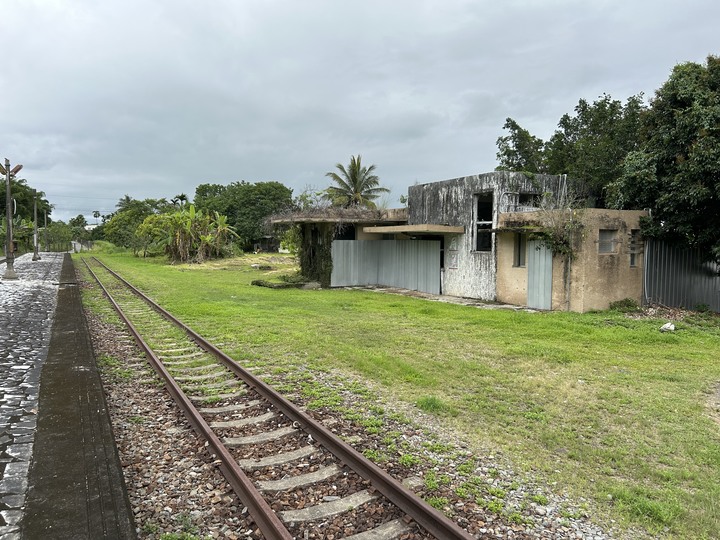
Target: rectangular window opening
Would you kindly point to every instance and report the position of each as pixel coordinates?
(520, 248)
(484, 206)
(528, 200)
(607, 241)
(635, 247)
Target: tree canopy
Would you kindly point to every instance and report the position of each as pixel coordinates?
(186, 235)
(356, 185)
(246, 205)
(589, 146)
(24, 196)
(675, 172)
(121, 226)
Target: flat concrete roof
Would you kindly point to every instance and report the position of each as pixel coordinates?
(420, 228)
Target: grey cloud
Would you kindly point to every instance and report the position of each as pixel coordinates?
(99, 99)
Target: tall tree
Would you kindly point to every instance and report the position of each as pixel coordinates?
(354, 186)
(589, 145)
(211, 198)
(24, 197)
(520, 151)
(676, 171)
(245, 205)
(77, 226)
(179, 200)
(120, 228)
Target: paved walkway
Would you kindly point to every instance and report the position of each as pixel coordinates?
(60, 476)
(27, 306)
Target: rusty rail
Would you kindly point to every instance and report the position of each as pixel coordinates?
(431, 519)
(268, 522)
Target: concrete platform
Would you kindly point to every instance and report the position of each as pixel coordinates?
(72, 486)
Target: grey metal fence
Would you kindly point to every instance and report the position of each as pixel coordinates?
(407, 264)
(677, 277)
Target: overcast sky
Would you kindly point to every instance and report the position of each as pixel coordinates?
(150, 98)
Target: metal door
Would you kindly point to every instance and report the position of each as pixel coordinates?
(539, 267)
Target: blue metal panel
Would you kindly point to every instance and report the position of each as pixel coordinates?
(406, 264)
(539, 268)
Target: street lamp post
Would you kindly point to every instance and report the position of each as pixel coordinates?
(36, 255)
(9, 253)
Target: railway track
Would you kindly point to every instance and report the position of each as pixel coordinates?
(291, 471)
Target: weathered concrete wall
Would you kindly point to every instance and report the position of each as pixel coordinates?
(512, 281)
(474, 275)
(451, 202)
(362, 235)
(597, 279)
(592, 280)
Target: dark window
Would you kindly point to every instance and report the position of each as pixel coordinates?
(520, 249)
(484, 207)
(483, 221)
(484, 237)
(528, 200)
(346, 232)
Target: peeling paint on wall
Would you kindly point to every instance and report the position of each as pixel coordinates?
(472, 273)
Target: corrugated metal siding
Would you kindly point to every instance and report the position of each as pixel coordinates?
(677, 277)
(406, 264)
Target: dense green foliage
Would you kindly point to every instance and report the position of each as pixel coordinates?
(120, 228)
(589, 146)
(186, 235)
(22, 234)
(246, 206)
(676, 171)
(355, 185)
(24, 196)
(77, 226)
(56, 237)
(315, 252)
(520, 150)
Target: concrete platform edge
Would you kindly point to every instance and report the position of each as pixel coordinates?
(76, 488)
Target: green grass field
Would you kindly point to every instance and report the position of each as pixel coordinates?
(605, 405)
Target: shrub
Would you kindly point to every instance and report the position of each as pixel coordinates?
(627, 305)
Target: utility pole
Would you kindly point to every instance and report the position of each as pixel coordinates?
(9, 252)
(47, 248)
(36, 257)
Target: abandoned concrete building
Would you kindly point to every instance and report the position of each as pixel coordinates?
(487, 236)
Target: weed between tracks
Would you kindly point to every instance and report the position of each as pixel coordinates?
(600, 404)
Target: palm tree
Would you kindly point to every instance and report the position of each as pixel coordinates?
(124, 203)
(179, 200)
(356, 185)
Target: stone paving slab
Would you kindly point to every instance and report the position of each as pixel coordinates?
(27, 307)
(60, 476)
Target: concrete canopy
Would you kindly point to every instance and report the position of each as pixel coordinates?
(419, 228)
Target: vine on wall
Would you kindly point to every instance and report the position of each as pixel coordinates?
(561, 226)
(315, 252)
(560, 235)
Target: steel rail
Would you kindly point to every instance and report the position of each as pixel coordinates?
(262, 514)
(431, 519)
